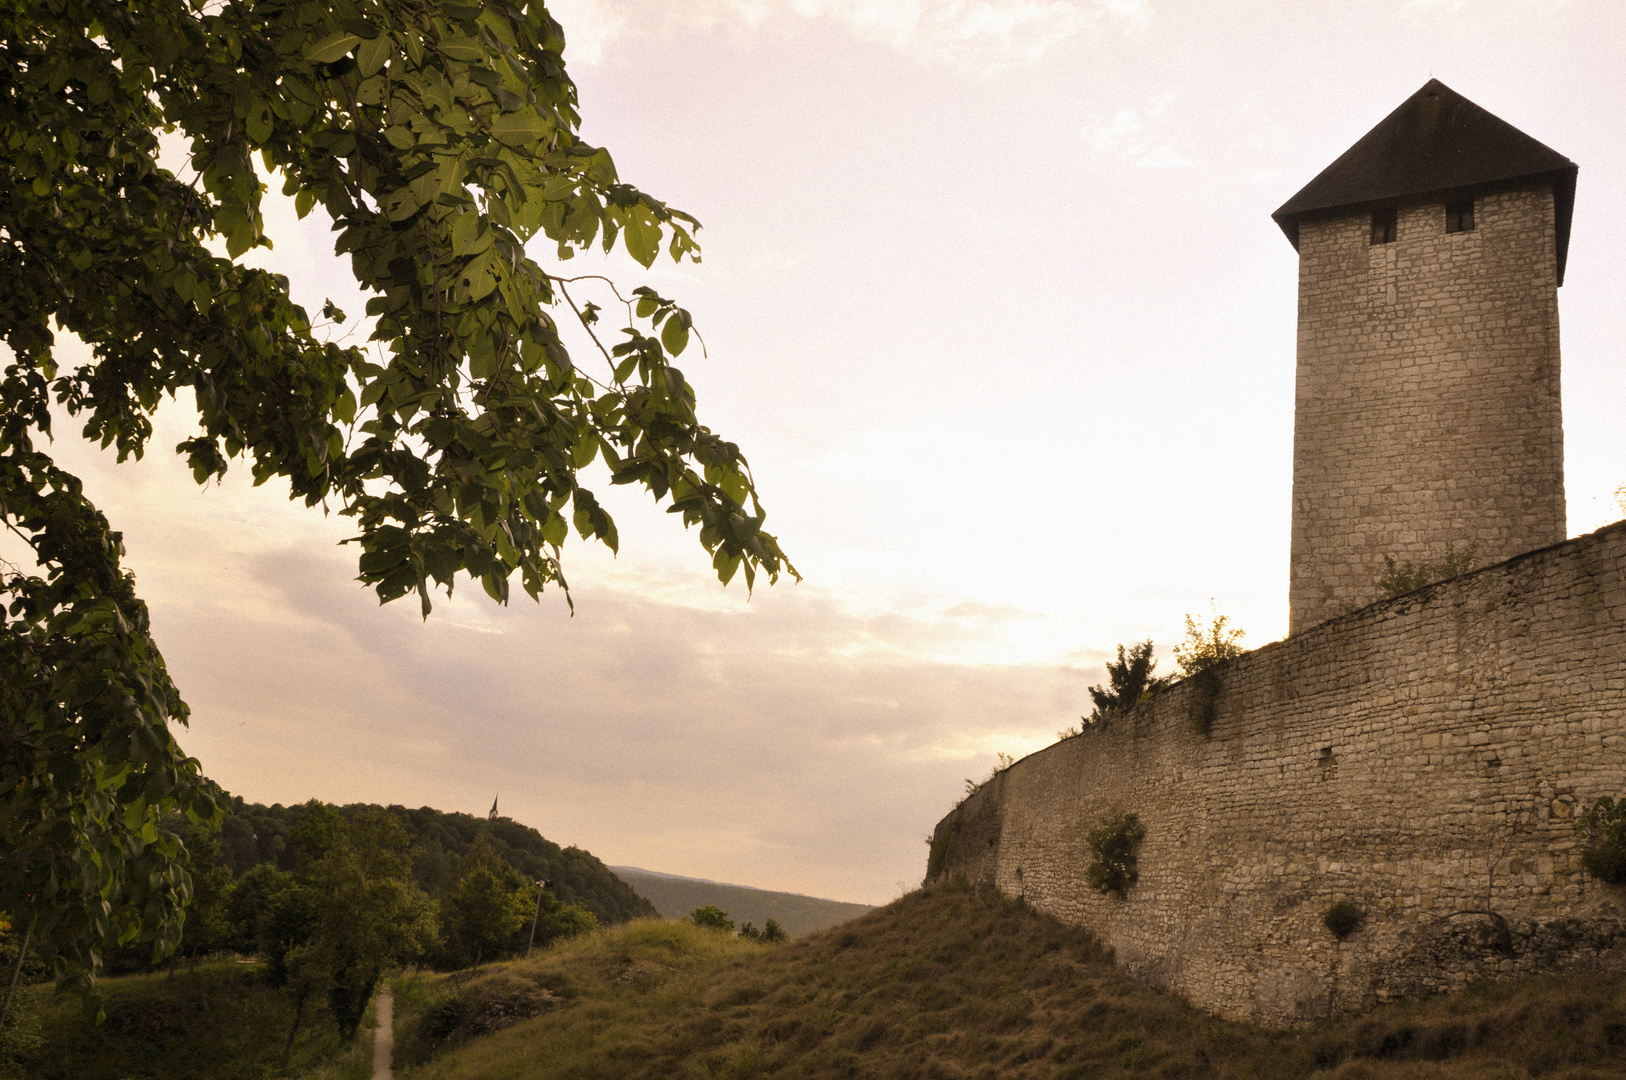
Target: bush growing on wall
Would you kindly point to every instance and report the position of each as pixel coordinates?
(1113, 868)
(1342, 919)
(1604, 826)
(1205, 647)
(1399, 578)
(1129, 682)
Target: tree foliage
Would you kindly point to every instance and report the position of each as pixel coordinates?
(1207, 643)
(1129, 682)
(440, 138)
(487, 904)
(770, 934)
(712, 917)
(1603, 825)
(1113, 866)
(348, 912)
(1399, 578)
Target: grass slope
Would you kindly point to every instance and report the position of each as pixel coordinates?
(674, 897)
(221, 1021)
(948, 982)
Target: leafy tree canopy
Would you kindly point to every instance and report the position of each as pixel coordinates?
(1129, 682)
(712, 917)
(1208, 642)
(440, 138)
(253, 834)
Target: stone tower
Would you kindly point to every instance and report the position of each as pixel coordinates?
(1427, 409)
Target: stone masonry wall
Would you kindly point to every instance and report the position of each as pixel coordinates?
(1423, 758)
(1427, 396)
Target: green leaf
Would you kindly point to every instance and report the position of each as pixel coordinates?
(331, 48)
(519, 128)
(643, 238)
(462, 48)
(258, 121)
(675, 335)
(467, 236)
(374, 54)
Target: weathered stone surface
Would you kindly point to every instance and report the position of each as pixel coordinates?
(1422, 758)
(1427, 406)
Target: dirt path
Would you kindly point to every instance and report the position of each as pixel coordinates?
(384, 1037)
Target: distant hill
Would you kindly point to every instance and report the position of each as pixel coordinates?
(253, 833)
(674, 897)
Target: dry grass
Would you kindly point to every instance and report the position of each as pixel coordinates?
(950, 983)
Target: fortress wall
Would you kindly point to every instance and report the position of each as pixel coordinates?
(1427, 397)
(1422, 758)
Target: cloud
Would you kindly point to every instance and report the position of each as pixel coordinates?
(982, 34)
(793, 740)
(1129, 136)
(751, 744)
(1453, 7)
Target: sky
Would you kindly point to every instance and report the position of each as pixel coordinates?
(993, 302)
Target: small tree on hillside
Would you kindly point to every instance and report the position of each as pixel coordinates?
(770, 934)
(712, 917)
(556, 920)
(483, 910)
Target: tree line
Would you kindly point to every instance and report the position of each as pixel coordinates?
(330, 898)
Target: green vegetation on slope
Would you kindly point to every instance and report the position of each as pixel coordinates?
(674, 897)
(949, 982)
(221, 1021)
(253, 834)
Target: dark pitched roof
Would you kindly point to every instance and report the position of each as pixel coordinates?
(1437, 141)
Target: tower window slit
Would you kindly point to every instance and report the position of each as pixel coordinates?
(1459, 215)
(1383, 226)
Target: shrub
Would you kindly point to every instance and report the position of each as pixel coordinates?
(443, 1015)
(771, 934)
(1129, 682)
(1205, 648)
(1342, 919)
(1207, 645)
(974, 786)
(1604, 827)
(712, 917)
(1398, 579)
(1113, 869)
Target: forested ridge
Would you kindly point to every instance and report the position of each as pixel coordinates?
(254, 834)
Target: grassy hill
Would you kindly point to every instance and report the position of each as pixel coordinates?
(674, 897)
(944, 983)
(948, 983)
